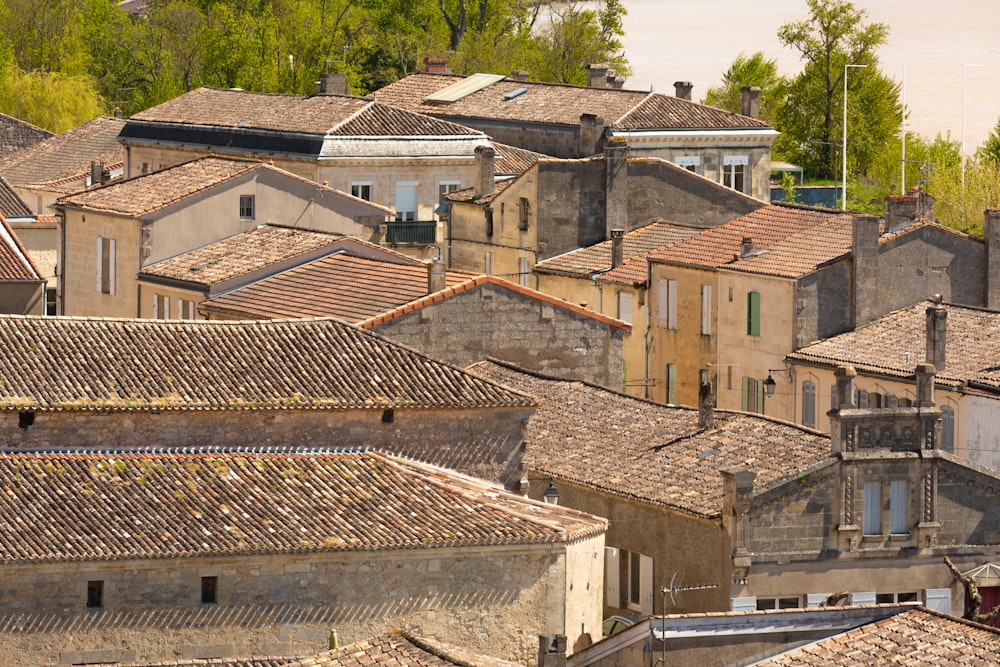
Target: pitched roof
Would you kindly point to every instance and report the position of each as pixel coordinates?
(597, 258)
(323, 115)
(346, 285)
(511, 160)
(402, 649)
(893, 344)
(11, 204)
(103, 505)
(65, 155)
(240, 254)
(69, 363)
(560, 104)
(913, 637)
(15, 264)
(765, 227)
(474, 283)
(651, 452)
(16, 134)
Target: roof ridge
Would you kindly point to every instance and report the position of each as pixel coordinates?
(351, 116)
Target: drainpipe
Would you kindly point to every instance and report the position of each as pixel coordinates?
(649, 328)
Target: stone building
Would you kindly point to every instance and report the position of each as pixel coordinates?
(16, 134)
(155, 555)
(22, 286)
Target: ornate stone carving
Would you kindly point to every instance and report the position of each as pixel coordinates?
(849, 499)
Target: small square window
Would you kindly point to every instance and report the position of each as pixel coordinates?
(95, 594)
(209, 590)
(246, 207)
(362, 190)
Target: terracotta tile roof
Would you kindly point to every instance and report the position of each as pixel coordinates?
(651, 452)
(402, 650)
(803, 252)
(597, 258)
(914, 637)
(489, 280)
(16, 134)
(67, 154)
(346, 285)
(895, 343)
(511, 160)
(240, 254)
(324, 115)
(118, 505)
(15, 264)
(468, 195)
(560, 104)
(134, 365)
(11, 204)
(766, 227)
(259, 661)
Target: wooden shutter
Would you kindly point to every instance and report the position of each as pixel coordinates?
(662, 302)
(645, 585)
(872, 519)
(612, 578)
(809, 404)
(743, 604)
(100, 264)
(745, 406)
(706, 310)
(625, 307)
(672, 305)
(938, 599)
(867, 597)
(111, 267)
(753, 313)
(898, 501)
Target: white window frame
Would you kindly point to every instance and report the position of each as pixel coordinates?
(444, 187)
(358, 189)
(625, 307)
(730, 173)
(406, 198)
(106, 266)
(644, 603)
(612, 577)
(689, 162)
(248, 207)
(863, 597)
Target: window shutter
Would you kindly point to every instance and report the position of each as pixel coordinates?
(646, 585)
(166, 307)
(672, 383)
(625, 307)
(862, 598)
(156, 306)
(809, 404)
(897, 507)
(743, 604)
(815, 599)
(706, 310)
(111, 267)
(612, 577)
(938, 599)
(872, 519)
(672, 297)
(746, 394)
(662, 303)
(753, 313)
(100, 262)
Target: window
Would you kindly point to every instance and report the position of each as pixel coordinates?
(872, 520)
(625, 307)
(95, 594)
(362, 190)
(938, 599)
(209, 590)
(488, 264)
(523, 213)
(809, 404)
(628, 580)
(861, 398)
(753, 395)
(522, 271)
(706, 310)
(753, 313)
(105, 265)
(897, 508)
(689, 162)
(161, 307)
(51, 303)
(948, 428)
(666, 307)
(406, 201)
(444, 187)
(743, 604)
(672, 383)
(489, 222)
(734, 168)
(185, 309)
(863, 597)
(889, 598)
(246, 207)
(777, 603)
(145, 167)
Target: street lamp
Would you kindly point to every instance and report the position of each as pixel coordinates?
(965, 68)
(843, 154)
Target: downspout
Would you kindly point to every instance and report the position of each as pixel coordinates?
(649, 328)
(718, 336)
(61, 267)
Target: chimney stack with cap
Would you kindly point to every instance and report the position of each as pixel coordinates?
(937, 329)
(436, 66)
(332, 84)
(436, 276)
(746, 247)
(485, 171)
(751, 101)
(617, 247)
(597, 75)
(683, 89)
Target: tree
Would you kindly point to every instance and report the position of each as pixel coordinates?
(835, 35)
(990, 150)
(576, 37)
(755, 70)
(973, 598)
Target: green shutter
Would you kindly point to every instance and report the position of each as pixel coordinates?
(753, 313)
(746, 394)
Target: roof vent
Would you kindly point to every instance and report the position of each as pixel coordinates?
(515, 93)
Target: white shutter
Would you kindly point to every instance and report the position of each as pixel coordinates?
(672, 315)
(612, 574)
(706, 310)
(100, 262)
(938, 599)
(862, 598)
(156, 306)
(646, 585)
(166, 307)
(872, 518)
(406, 200)
(815, 599)
(743, 604)
(625, 307)
(897, 507)
(111, 267)
(662, 302)
(181, 303)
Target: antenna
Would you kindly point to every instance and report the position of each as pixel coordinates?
(672, 589)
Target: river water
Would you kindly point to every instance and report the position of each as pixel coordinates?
(931, 42)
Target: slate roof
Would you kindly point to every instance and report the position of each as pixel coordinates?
(560, 104)
(11, 204)
(15, 263)
(16, 134)
(650, 452)
(67, 363)
(138, 505)
(346, 285)
(400, 649)
(636, 244)
(766, 227)
(240, 254)
(65, 155)
(914, 637)
(895, 343)
(323, 115)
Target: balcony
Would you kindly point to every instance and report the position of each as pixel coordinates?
(410, 233)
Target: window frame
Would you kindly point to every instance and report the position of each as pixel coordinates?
(734, 172)
(210, 590)
(362, 190)
(106, 260)
(522, 271)
(871, 518)
(95, 594)
(809, 404)
(689, 162)
(625, 306)
(948, 429)
(248, 207)
(523, 213)
(753, 313)
(405, 191)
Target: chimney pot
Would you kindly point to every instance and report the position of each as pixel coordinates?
(436, 65)
(706, 409)
(683, 89)
(519, 75)
(937, 329)
(333, 84)
(485, 171)
(617, 247)
(597, 75)
(751, 101)
(746, 247)
(436, 276)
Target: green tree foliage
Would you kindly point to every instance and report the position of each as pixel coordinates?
(990, 150)
(835, 35)
(50, 100)
(577, 36)
(754, 70)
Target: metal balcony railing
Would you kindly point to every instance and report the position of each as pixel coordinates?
(417, 232)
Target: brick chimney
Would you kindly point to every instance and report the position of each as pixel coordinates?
(332, 84)
(991, 235)
(436, 276)
(485, 171)
(751, 101)
(937, 329)
(519, 75)
(591, 134)
(617, 247)
(551, 650)
(616, 187)
(682, 89)
(597, 75)
(864, 248)
(436, 66)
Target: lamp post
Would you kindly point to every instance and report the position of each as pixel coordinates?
(843, 191)
(965, 68)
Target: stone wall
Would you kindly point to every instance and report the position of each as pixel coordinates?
(966, 505)
(488, 599)
(492, 320)
(796, 517)
(16, 134)
(481, 442)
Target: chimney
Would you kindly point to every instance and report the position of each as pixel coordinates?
(901, 210)
(751, 101)
(617, 247)
(616, 82)
(615, 187)
(746, 247)
(519, 75)
(845, 387)
(332, 84)
(991, 235)
(96, 173)
(591, 134)
(706, 408)
(597, 75)
(551, 650)
(683, 89)
(737, 492)
(925, 385)
(436, 66)
(485, 173)
(436, 276)
(864, 248)
(119, 114)
(937, 328)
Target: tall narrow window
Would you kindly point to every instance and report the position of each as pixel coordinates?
(246, 207)
(209, 590)
(753, 395)
(522, 271)
(734, 170)
(948, 429)
(95, 594)
(161, 307)
(523, 213)
(185, 309)
(666, 303)
(406, 201)
(625, 307)
(706, 310)
(105, 265)
(898, 519)
(809, 404)
(488, 264)
(672, 383)
(753, 313)
(872, 520)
